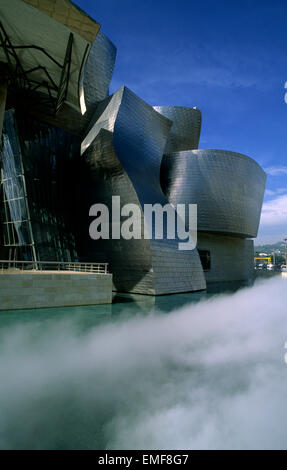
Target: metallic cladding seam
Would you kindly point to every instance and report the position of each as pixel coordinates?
(140, 135)
(104, 177)
(227, 187)
(139, 138)
(185, 130)
(99, 70)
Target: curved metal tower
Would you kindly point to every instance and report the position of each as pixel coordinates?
(123, 152)
(185, 130)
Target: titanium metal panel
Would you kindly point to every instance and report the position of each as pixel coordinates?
(130, 135)
(227, 187)
(186, 126)
(101, 178)
(99, 70)
(104, 118)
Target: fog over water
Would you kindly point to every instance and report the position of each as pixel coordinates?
(208, 375)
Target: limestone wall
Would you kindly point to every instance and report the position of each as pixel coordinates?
(53, 289)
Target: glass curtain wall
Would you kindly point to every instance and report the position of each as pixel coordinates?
(38, 168)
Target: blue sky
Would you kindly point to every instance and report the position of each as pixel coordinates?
(227, 58)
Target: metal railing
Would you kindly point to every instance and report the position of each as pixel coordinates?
(22, 266)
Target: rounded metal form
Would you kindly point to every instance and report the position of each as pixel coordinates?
(227, 187)
(123, 152)
(99, 69)
(185, 131)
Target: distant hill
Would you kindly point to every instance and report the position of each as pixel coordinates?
(269, 248)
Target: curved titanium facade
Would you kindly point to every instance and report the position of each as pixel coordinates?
(103, 177)
(227, 187)
(186, 126)
(126, 143)
(99, 70)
